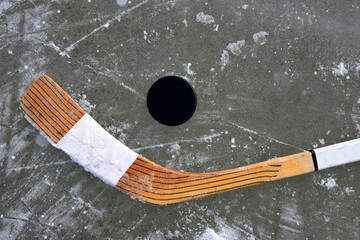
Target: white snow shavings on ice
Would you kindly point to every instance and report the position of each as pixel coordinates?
(340, 70)
(204, 18)
(85, 104)
(260, 37)
(225, 58)
(187, 68)
(227, 231)
(235, 48)
(329, 182)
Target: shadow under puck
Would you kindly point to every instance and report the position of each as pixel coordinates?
(171, 100)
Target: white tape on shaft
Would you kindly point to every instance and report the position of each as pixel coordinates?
(338, 154)
(88, 144)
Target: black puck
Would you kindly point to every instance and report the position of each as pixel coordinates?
(171, 100)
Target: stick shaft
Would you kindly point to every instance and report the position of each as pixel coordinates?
(159, 185)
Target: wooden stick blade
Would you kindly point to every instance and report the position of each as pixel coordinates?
(68, 127)
(50, 109)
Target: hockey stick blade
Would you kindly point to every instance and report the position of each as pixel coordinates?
(69, 128)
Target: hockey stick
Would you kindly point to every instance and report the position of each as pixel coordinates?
(69, 128)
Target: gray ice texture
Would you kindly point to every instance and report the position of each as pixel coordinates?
(272, 78)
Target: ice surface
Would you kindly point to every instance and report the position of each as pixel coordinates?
(291, 85)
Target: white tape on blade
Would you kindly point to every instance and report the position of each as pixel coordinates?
(88, 144)
(338, 154)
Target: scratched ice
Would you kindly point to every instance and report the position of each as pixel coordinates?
(272, 78)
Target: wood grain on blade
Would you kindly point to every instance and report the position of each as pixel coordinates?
(50, 109)
(159, 185)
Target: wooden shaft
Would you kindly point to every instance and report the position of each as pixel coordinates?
(159, 185)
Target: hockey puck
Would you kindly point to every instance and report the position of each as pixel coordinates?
(171, 100)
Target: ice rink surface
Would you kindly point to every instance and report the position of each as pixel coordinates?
(272, 78)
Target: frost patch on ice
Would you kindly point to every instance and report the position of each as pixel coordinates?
(121, 3)
(187, 69)
(41, 140)
(204, 18)
(78, 201)
(233, 143)
(260, 37)
(227, 231)
(245, 6)
(355, 116)
(174, 150)
(210, 234)
(119, 132)
(106, 25)
(357, 69)
(175, 147)
(206, 138)
(85, 104)
(329, 182)
(349, 190)
(235, 48)
(176, 234)
(225, 58)
(290, 218)
(5, 5)
(57, 49)
(340, 70)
